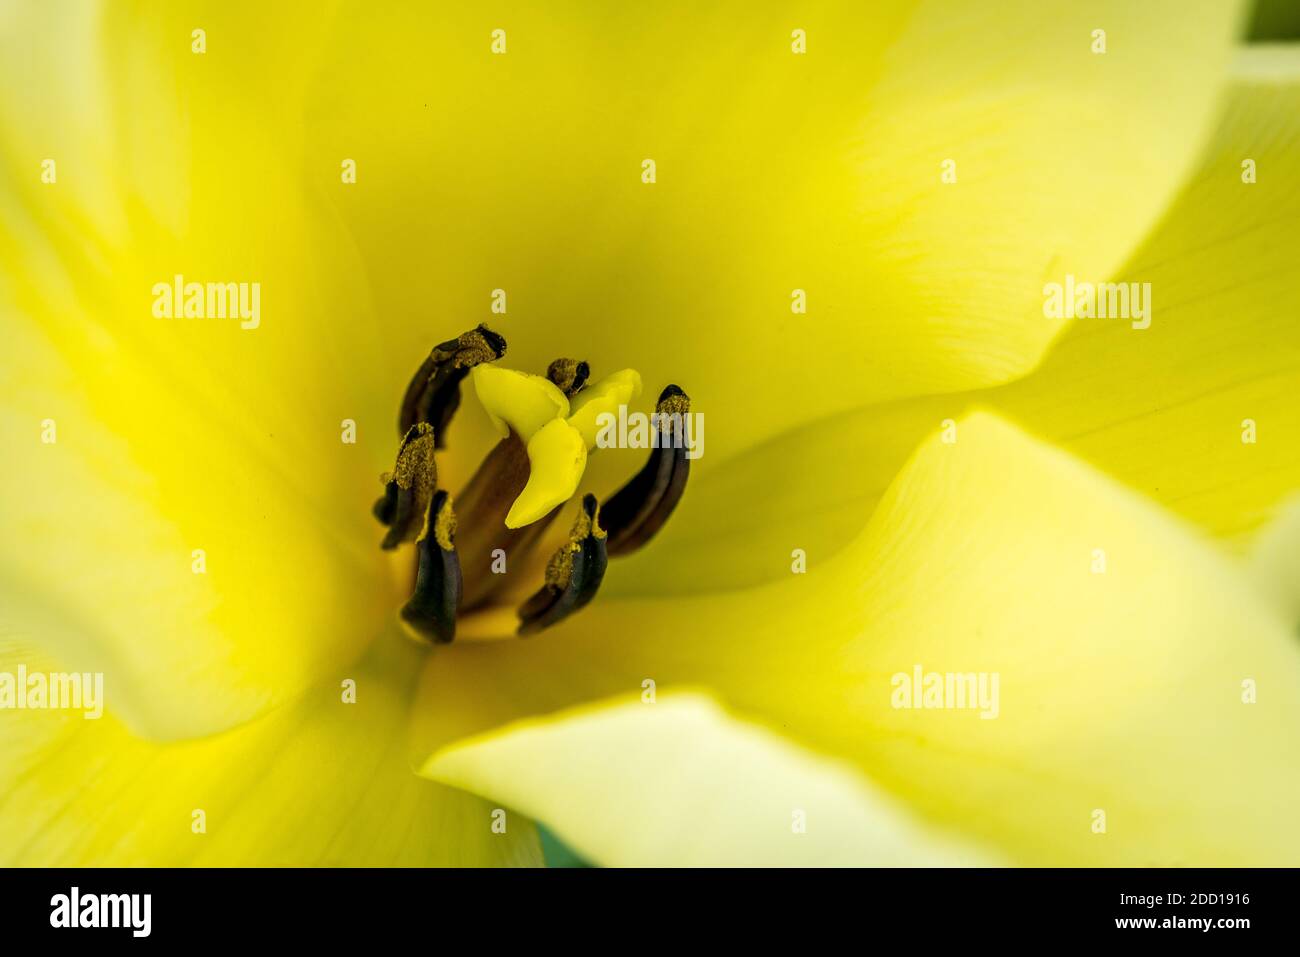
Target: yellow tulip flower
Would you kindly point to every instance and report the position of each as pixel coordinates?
(230, 234)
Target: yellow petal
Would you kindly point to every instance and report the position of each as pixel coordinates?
(1165, 408)
(1120, 691)
(322, 782)
(557, 457)
(738, 525)
(180, 436)
(1199, 411)
(168, 547)
(603, 398)
(774, 171)
(680, 783)
(1273, 561)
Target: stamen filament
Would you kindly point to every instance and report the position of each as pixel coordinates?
(484, 504)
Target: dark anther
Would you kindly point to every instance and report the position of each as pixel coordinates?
(568, 375)
(640, 508)
(409, 488)
(434, 393)
(386, 508)
(573, 574)
(431, 612)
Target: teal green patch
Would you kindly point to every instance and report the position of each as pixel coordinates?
(556, 852)
(1275, 20)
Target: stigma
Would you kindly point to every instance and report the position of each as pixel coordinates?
(548, 426)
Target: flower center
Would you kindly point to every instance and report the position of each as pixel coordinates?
(548, 425)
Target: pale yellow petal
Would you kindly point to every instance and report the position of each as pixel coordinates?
(679, 783)
(1121, 641)
(1197, 411)
(183, 505)
(780, 179)
(155, 544)
(322, 782)
(1273, 561)
(809, 489)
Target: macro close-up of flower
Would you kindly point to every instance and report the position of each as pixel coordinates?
(632, 436)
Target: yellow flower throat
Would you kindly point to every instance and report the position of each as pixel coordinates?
(548, 425)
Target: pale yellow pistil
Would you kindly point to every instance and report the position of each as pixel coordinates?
(556, 433)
